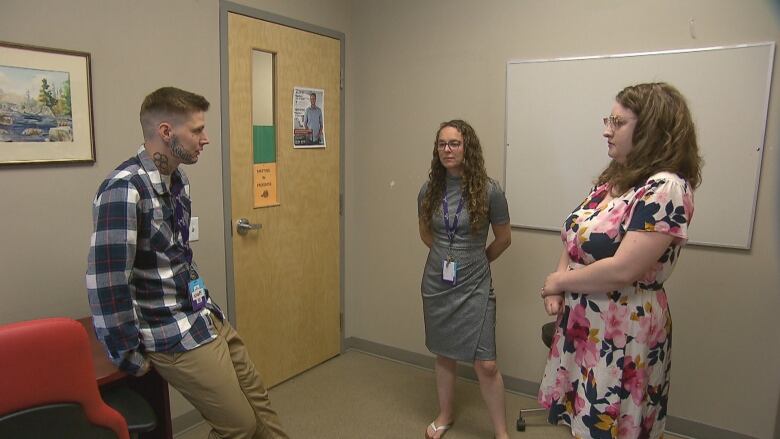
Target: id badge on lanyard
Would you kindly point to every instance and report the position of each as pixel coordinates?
(196, 288)
(449, 271)
(449, 268)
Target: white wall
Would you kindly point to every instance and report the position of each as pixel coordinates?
(421, 62)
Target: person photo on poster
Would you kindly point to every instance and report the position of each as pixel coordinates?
(308, 117)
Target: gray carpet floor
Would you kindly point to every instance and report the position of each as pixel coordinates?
(357, 395)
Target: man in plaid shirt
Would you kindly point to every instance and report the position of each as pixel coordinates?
(149, 304)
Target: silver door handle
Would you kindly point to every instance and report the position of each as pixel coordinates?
(243, 225)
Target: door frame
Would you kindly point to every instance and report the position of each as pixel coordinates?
(225, 8)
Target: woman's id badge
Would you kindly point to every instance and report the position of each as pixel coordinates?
(197, 290)
(449, 271)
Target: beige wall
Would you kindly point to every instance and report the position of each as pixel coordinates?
(410, 64)
(420, 62)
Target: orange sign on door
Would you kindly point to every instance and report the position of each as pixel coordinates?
(265, 185)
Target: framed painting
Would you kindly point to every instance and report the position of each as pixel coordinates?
(45, 106)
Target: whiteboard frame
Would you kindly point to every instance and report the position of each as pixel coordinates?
(762, 146)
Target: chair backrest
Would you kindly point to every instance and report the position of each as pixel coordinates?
(47, 362)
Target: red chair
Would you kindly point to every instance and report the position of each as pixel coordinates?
(48, 386)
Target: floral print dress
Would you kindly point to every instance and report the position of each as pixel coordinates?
(607, 373)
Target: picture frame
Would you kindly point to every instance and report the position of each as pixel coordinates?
(45, 106)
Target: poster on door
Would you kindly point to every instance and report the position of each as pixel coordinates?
(308, 117)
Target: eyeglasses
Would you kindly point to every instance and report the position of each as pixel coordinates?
(614, 122)
(453, 144)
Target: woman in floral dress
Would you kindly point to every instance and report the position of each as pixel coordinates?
(607, 373)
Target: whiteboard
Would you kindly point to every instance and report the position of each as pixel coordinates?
(555, 149)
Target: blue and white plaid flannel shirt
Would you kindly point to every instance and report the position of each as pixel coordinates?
(138, 272)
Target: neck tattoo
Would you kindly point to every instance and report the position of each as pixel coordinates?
(161, 161)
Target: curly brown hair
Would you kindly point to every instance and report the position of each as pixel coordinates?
(664, 138)
(475, 179)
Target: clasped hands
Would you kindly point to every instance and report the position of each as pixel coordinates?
(552, 294)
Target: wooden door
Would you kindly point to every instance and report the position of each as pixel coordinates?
(287, 273)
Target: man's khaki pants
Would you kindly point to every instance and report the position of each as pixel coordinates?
(220, 380)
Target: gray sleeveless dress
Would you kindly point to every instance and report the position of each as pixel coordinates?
(460, 319)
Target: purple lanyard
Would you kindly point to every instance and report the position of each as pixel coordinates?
(179, 221)
(445, 210)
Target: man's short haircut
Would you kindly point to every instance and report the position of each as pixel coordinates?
(168, 102)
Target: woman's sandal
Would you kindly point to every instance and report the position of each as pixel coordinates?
(442, 428)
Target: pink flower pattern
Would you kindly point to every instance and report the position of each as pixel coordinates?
(619, 341)
(634, 380)
(652, 330)
(627, 429)
(616, 324)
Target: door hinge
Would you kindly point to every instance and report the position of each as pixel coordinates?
(341, 322)
(341, 79)
(341, 204)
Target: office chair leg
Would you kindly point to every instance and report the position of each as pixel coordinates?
(521, 422)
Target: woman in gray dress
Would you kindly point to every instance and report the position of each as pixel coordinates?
(455, 207)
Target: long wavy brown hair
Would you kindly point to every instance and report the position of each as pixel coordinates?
(474, 183)
(664, 138)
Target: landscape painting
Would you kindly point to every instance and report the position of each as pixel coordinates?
(35, 105)
(45, 105)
